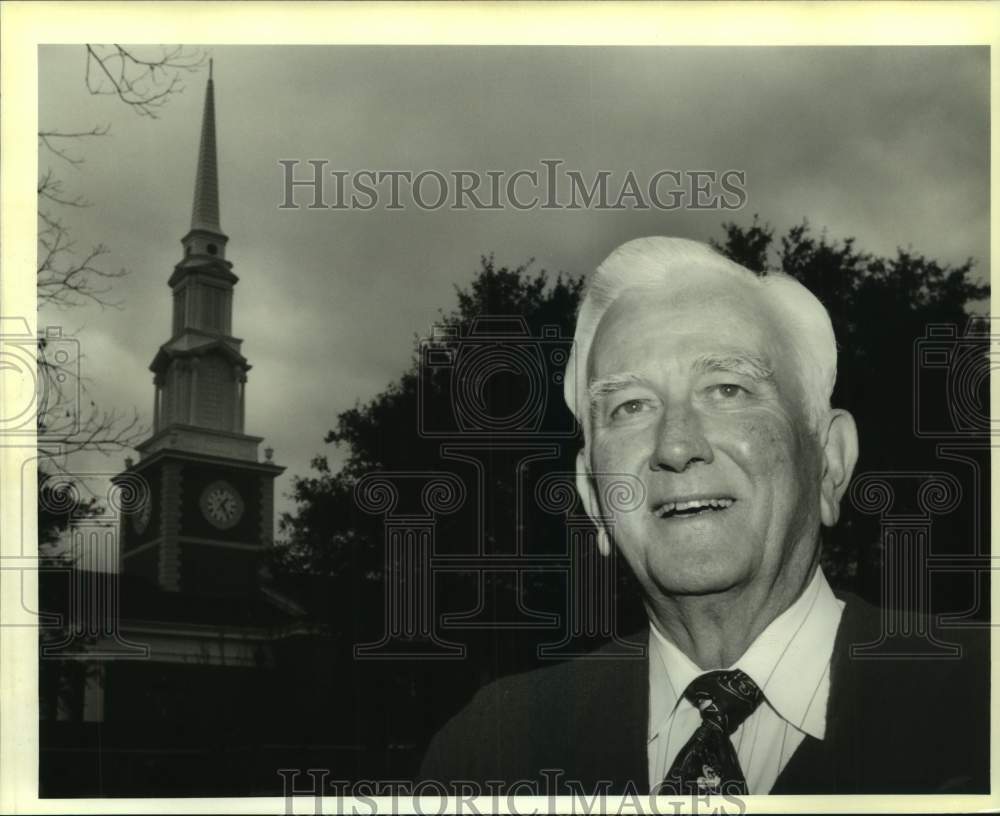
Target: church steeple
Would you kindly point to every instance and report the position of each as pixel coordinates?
(200, 371)
(210, 514)
(205, 213)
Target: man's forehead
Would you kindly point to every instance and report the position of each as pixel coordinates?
(612, 374)
(653, 327)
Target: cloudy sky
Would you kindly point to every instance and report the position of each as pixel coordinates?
(889, 145)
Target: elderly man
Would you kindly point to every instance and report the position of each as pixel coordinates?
(711, 386)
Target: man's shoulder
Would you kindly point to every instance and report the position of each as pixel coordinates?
(559, 686)
(910, 655)
(520, 723)
(909, 700)
(870, 634)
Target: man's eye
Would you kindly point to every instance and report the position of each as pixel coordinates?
(728, 390)
(629, 408)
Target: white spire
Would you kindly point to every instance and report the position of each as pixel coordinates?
(205, 214)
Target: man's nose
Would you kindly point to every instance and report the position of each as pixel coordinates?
(680, 440)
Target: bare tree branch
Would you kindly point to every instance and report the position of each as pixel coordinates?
(66, 413)
(50, 188)
(142, 84)
(65, 279)
(48, 138)
(144, 81)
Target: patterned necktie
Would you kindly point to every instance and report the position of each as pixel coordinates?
(708, 763)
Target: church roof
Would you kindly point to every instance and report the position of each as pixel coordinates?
(205, 214)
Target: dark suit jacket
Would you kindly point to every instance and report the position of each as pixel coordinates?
(894, 726)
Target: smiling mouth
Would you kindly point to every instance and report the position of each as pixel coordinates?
(692, 507)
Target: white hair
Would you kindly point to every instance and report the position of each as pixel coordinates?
(673, 263)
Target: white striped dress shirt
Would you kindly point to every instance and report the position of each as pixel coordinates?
(789, 661)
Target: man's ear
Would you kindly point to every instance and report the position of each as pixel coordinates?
(588, 496)
(840, 453)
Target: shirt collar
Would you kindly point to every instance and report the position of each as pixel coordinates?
(788, 661)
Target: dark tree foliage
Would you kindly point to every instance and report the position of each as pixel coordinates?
(335, 554)
(61, 501)
(329, 534)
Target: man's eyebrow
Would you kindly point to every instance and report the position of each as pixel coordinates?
(602, 386)
(753, 366)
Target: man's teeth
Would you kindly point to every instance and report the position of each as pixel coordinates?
(695, 504)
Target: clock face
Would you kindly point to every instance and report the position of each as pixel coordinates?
(221, 505)
(140, 518)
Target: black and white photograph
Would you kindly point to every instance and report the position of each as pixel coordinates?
(429, 420)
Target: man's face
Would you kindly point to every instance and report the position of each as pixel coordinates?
(696, 394)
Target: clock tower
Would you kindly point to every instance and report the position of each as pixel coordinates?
(209, 515)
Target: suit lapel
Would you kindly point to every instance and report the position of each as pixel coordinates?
(812, 769)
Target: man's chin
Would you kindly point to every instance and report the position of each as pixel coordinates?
(700, 573)
(679, 586)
